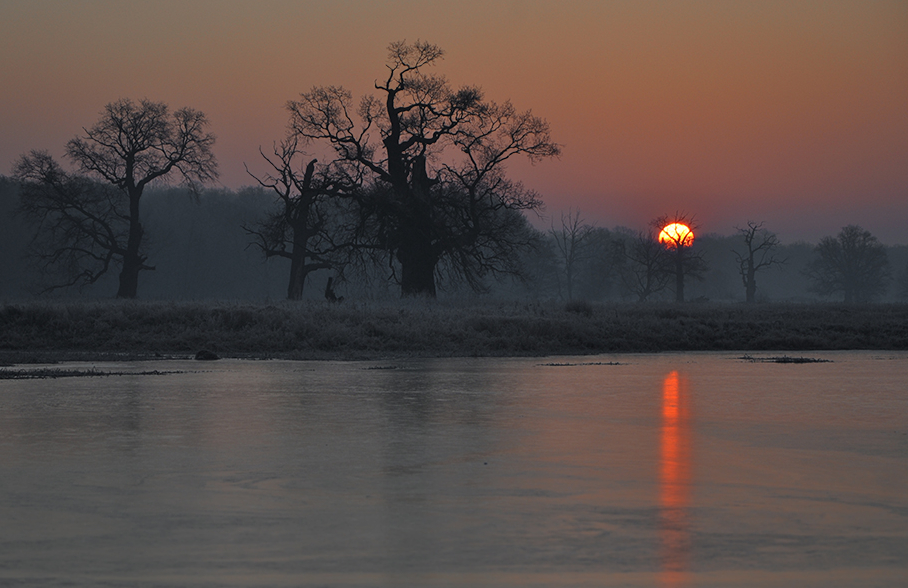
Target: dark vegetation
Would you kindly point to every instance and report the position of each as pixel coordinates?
(202, 252)
(424, 164)
(89, 222)
(683, 261)
(853, 263)
(409, 196)
(783, 359)
(303, 229)
(758, 253)
(307, 330)
(414, 183)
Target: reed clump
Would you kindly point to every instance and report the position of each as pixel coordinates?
(317, 330)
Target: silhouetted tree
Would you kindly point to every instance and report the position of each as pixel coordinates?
(435, 158)
(685, 261)
(81, 226)
(572, 242)
(648, 265)
(853, 263)
(15, 269)
(129, 147)
(305, 228)
(760, 253)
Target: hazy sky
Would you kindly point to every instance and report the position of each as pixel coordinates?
(795, 113)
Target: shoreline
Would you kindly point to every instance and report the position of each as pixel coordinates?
(16, 360)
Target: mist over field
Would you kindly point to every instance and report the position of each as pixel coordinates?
(201, 252)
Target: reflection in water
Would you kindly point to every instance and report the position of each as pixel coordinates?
(674, 480)
(459, 472)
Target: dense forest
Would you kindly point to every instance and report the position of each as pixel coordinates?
(201, 252)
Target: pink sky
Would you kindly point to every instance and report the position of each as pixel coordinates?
(793, 113)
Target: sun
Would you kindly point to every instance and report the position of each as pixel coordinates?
(676, 235)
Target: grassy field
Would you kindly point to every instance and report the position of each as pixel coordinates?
(36, 331)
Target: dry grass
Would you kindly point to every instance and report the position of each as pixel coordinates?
(308, 330)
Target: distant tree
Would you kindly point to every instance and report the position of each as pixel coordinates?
(572, 243)
(305, 227)
(89, 227)
(648, 265)
(685, 261)
(16, 273)
(434, 158)
(540, 270)
(600, 265)
(853, 263)
(903, 283)
(759, 253)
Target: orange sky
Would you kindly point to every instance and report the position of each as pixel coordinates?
(795, 113)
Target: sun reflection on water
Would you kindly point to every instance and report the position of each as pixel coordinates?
(674, 480)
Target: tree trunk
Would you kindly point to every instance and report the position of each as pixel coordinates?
(298, 270)
(570, 283)
(132, 260)
(416, 253)
(679, 274)
(129, 277)
(417, 267)
(751, 285)
(297, 277)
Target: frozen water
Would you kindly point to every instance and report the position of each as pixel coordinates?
(665, 470)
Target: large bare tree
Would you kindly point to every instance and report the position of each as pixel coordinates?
(129, 147)
(759, 252)
(853, 263)
(80, 225)
(435, 157)
(307, 227)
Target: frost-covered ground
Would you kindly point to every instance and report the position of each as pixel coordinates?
(37, 331)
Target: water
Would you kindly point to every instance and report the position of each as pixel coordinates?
(665, 470)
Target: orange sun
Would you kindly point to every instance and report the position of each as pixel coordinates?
(676, 235)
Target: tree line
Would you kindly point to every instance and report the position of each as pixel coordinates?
(201, 251)
(411, 190)
(852, 265)
(414, 181)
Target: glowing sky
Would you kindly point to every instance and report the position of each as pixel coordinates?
(793, 113)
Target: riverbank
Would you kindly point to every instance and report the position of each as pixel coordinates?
(103, 330)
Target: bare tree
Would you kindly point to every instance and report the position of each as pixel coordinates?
(760, 253)
(853, 263)
(439, 191)
(685, 261)
(131, 146)
(81, 226)
(305, 228)
(647, 270)
(571, 243)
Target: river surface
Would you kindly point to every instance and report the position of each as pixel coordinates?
(663, 470)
